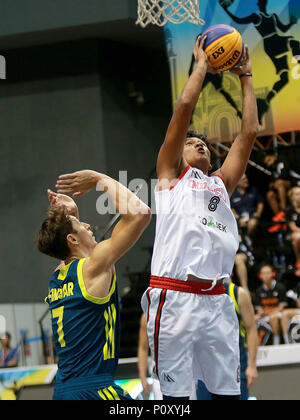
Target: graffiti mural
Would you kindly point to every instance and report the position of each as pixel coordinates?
(272, 32)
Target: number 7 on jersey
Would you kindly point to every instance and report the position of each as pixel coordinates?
(59, 313)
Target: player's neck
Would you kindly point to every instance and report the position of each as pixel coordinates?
(203, 169)
(74, 258)
(79, 251)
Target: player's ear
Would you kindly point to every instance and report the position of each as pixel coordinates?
(71, 239)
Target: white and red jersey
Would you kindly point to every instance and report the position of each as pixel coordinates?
(196, 231)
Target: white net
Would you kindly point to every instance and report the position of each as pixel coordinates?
(174, 11)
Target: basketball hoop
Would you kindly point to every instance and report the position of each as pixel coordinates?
(175, 11)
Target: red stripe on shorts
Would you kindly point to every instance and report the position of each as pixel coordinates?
(149, 302)
(157, 327)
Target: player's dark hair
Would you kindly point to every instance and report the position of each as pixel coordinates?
(52, 236)
(196, 135)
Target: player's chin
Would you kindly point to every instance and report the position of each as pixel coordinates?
(202, 158)
(92, 244)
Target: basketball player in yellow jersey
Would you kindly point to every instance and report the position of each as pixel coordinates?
(192, 325)
(83, 297)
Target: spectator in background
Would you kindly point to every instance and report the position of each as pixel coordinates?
(8, 357)
(290, 313)
(283, 177)
(293, 220)
(270, 301)
(247, 206)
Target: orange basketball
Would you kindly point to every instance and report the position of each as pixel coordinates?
(224, 47)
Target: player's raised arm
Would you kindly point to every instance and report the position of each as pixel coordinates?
(170, 161)
(237, 159)
(135, 216)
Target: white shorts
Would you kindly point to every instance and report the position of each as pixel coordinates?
(158, 395)
(191, 337)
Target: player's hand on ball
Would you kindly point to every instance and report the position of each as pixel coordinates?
(77, 183)
(201, 56)
(244, 66)
(199, 53)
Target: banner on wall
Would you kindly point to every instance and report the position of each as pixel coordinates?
(271, 29)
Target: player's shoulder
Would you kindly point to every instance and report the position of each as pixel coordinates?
(218, 174)
(220, 179)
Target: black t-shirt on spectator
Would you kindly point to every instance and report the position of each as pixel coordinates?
(246, 203)
(269, 299)
(292, 216)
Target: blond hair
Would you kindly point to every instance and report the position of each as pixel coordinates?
(291, 192)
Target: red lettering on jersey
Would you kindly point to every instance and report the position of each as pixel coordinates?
(203, 185)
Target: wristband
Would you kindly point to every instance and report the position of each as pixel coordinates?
(245, 74)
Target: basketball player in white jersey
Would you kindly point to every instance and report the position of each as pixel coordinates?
(192, 327)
